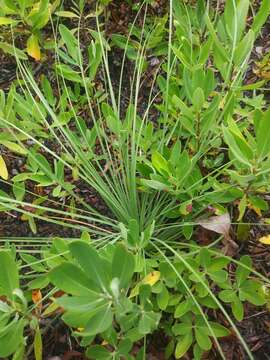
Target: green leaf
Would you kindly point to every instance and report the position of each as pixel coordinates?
(242, 207)
(219, 47)
(263, 136)
(123, 266)
(98, 352)
(9, 6)
(133, 232)
(218, 264)
(80, 309)
(182, 106)
(9, 277)
(39, 15)
(40, 282)
(252, 295)
(237, 309)
(244, 48)
(33, 262)
(122, 42)
(154, 184)
(197, 352)
(112, 120)
(82, 304)
(71, 279)
(219, 276)
(198, 99)
(9, 49)
(233, 146)
(148, 322)
(12, 339)
(19, 190)
(38, 345)
(70, 41)
(183, 59)
(202, 339)
(68, 73)
(182, 328)
(235, 18)
(163, 298)
(95, 58)
(218, 329)
(43, 164)
(183, 344)
(100, 322)
(7, 21)
(241, 272)
(227, 295)
(48, 91)
(20, 352)
(32, 224)
(159, 162)
(182, 308)
(124, 346)
(258, 202)
(14, 147)
(261, 16)
(91, 263)
(66, 14)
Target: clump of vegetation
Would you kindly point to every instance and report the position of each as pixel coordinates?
(194, 153)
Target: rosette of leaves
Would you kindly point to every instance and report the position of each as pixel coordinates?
(96, 302)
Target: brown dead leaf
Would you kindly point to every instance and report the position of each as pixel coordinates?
(37, 299)
(221, 224)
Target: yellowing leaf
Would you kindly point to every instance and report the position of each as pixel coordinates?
(265, 240)
(80, 329)
(33, 48)
(50, 309)
(25, 217)
(149, 279)
(255, 209)
(3, 169)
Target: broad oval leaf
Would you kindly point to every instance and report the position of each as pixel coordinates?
(90, 261)
(9, 276)
(100, 322)
(13, 339)
(123, 266)
(183, 345)
(71, 279)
